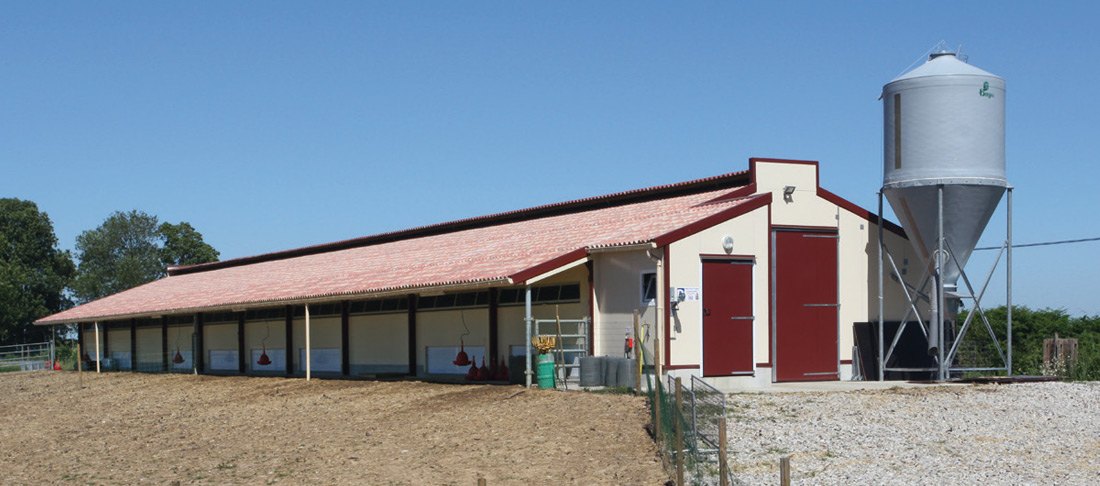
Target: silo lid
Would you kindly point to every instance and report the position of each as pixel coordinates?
(943, 63)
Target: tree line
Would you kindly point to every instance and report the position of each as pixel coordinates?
(38, 278)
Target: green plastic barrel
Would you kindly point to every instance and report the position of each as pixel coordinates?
(546, 371)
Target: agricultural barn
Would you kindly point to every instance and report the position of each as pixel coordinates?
(746, 278)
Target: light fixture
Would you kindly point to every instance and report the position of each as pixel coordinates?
(788, 192)
(727, 244)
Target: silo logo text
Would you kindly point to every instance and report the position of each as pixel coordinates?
(985, 91)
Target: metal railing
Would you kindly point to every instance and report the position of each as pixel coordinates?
(34, 356)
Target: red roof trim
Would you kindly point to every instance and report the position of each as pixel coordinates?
(753, 202)
(858, 211)
(733, 179)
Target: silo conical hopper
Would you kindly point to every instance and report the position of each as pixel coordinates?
(944, 126)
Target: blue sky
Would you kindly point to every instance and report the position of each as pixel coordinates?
(274, 125)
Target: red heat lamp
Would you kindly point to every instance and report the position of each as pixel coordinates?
(179, 357)
(86, 357)
(475, 373)
(462, 359)
(502, 371)
(264, 360)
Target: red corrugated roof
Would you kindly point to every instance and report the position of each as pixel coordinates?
(488, 250)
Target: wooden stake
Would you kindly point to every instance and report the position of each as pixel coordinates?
(637, 356)
(481, 482)
(679, 435)
(785, 471)
(79, 366)
(657, 388)
(723, 466)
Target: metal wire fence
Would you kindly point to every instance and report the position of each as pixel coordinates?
(685, 423)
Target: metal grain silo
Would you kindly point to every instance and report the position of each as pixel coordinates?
(944, 125)
(944, 176)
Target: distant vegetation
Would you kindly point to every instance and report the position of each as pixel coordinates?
(1029, 329)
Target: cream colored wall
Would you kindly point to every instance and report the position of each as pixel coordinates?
(119, 341)
(379, 339)
(90, 344)
(221, 337)
(324, 333)
(618, 280)
(149, 352)
(806, 208)
(750, 238)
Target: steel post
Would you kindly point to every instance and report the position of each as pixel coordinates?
(881, 304)
(940, 299)
(1008, 284)
(528, 321)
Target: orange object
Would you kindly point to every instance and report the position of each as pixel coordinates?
(56, 365)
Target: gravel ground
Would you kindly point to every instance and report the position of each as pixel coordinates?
(1036, 433)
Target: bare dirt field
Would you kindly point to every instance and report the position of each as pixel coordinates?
(129, 428)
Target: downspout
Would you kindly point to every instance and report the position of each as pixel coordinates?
(659, 259)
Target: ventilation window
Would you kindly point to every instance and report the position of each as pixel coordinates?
(649, 288)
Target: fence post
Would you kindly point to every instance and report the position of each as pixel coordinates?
(481, 482)
(679, 434)
(785, 471)
(657, 389)
(637, 356)
(723, 467)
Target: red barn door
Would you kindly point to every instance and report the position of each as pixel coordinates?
(805, 286)
(727, 317)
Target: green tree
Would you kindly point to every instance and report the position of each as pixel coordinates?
(34, 272)
(131, 249)
(184, 246)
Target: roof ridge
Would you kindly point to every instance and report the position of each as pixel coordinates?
(731, 179)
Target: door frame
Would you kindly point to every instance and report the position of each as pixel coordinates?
(829, 231)
(745, 259)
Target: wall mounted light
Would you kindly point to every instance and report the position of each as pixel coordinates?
(727, 244)
(788, 193)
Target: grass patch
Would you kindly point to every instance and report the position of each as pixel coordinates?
(613, 390)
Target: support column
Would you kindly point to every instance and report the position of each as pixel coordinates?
(242, 360)
(164, 344)
(197, 354)
(528, 322)
(412, 334)
(1008, 284)
(345, 350)
(493, 324)
(881, 297)
(309, 356)
(106, 339)
(80, 343)
(133, 344)
(289, 353)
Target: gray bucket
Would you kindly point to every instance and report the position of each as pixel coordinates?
(590, 371)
